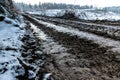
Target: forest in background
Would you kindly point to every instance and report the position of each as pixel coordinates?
(50, 6)
(46, 6)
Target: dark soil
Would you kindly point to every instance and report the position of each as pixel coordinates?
(2, 18)
(85, 60)
(31, 52)
(84, 27)
(104, 22)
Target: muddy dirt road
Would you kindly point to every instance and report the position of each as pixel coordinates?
(77, 50)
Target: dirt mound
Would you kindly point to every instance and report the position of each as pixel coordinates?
(69, 14)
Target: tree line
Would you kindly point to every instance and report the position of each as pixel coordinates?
(40, 6)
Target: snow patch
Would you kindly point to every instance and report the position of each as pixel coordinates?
(10, 46)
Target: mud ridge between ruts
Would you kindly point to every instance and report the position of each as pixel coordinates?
(89, 55)
(107, 42)
(107, 31)
(102, 22)
(33, 58)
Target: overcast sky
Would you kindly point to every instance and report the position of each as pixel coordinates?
(99, 3)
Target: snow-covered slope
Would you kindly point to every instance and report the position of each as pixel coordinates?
(11, 33)
(10, 45)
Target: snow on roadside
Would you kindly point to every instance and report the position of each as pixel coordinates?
(105, 42)
(10, 45)
(10, 34)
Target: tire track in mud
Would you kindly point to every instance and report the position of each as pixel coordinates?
(104, 42)
(49, 46)
(60, 58)
(87, 59)
(107, 31)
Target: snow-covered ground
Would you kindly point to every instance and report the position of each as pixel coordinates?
(82, 14)
(10, 45)
(97, 15)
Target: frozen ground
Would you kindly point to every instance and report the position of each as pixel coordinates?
(82, 14)
(10, 34)
(115, 45)
(87, 56)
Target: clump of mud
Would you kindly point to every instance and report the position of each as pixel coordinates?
(69, 14)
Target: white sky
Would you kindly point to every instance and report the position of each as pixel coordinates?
(98, 3)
